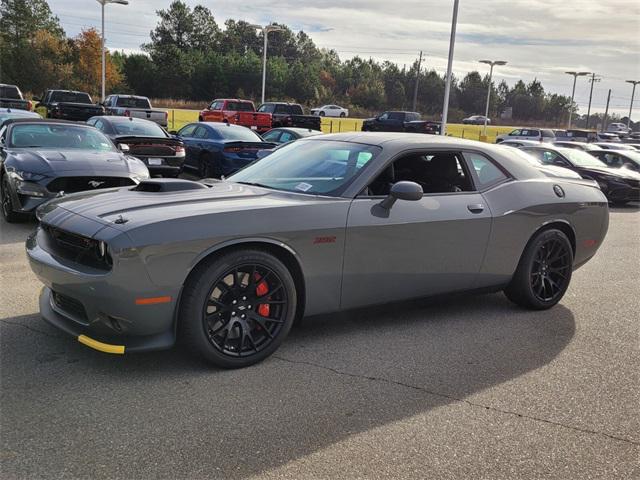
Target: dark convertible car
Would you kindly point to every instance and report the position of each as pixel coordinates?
(216, 149)
(323, 224)
(162, 153)
(43, 159)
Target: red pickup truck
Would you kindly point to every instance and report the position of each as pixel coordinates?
(238, 112)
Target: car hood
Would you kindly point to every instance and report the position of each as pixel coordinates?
(126, 208)
(614, 172)
(52, 162)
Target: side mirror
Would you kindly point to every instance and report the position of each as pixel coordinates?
(403, 190)
(123, 147)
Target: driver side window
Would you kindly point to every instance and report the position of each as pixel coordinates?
(435, 172)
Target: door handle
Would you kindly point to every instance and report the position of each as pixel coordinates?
(476, 208)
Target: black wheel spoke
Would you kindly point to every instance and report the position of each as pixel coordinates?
(232, 322)
(550, 269)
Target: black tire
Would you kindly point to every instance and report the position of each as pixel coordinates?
(208, 167)
(342, 115)
(211, 330)
(8, 212)
(321, 114)
(544, 272)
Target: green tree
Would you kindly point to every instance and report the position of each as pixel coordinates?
(19, 22)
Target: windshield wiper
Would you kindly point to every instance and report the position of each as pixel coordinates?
(253, 184)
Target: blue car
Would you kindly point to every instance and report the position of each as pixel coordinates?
(216, 149)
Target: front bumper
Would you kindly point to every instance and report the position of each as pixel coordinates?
(104, 307)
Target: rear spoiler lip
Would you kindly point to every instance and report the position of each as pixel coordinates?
(136, 138)
(260, 145)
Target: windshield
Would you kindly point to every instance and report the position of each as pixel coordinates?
(239, 134)
(632, 155)
(323, 167)
(141, 129)
(70, 97)
(582, 159)
(133, 102)
(58, 136)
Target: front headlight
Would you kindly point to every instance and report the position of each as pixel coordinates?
(27, 176)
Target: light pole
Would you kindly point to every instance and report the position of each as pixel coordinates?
(102, 4)
(573, 92)
(593, 80)
(447, 86)
(265, 33)
(486, 112)
(633, 92)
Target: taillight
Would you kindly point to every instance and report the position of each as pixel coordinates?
(166, 116)
(180, 152)
(237, 117)
(233, 149)
(127, 113)
(29, 105)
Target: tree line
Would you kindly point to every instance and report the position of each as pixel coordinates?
(191, 57)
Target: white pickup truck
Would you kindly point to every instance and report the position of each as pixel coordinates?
(134, 106)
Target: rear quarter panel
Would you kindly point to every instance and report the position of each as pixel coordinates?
(521, 208)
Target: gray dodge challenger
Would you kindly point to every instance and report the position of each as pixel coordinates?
(328, 223)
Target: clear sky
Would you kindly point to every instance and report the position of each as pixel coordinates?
(539, 38)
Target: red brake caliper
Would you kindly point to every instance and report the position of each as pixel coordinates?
(261, 290)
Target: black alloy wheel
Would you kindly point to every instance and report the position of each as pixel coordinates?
(237, 308)
(7, 204)
(245, 310)
(544, 271)
(549, 271)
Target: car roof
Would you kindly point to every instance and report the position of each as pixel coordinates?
(12, 121)
(296, 130)
(126, 95)
(18, 111)
(216, 125)
(66, 91)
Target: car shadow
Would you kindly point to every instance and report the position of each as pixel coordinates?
(166, 414)
(628, 208)
(16, 232)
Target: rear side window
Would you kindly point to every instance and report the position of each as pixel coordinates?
(548, 133)
(188, 130)
(396, 116)
(286, 137)
(10, 91)
(131, 102)
(486, 172)
(266, 108)
(533, 133)
(282, 109)
(239, 106)
(70, 97)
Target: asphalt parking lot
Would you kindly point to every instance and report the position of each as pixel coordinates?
(468, 387)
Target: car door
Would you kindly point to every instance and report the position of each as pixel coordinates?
(419, 248)
(190, 144)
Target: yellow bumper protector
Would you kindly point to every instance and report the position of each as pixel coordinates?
(103, 347)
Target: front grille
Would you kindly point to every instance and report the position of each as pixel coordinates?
(69, 305)
(81, 184)
(77, 248)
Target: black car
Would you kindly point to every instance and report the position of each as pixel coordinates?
(68, 105)
(286, 135)
(7, 114)
(289, 115)
(43, 159)
(217, 149)
(619, 185)
(400, 121)
(162, 153)
(619, 158)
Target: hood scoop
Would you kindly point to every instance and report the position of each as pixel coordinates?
(158, 185)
